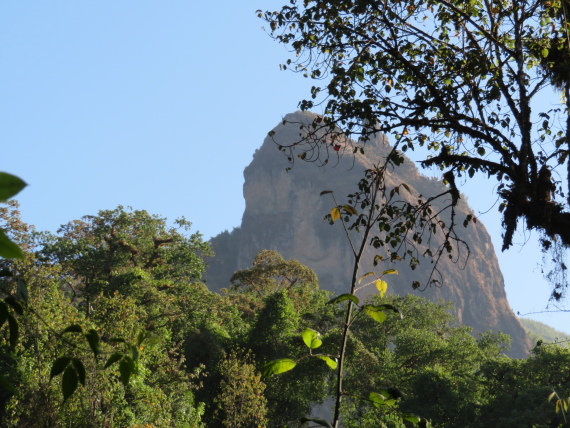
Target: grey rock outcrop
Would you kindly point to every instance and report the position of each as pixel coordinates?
(284, 212)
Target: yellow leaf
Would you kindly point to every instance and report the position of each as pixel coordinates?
(364, 276)
(390, 272)
(382, 286)
(335, 214)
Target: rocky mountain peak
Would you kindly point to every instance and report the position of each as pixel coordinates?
(284, 212)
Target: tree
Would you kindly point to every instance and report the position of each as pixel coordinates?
(269, 274)
(107, 306)
(241, 403)
(463, 79)
(434, 362)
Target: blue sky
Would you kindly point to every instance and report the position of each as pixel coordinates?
(160, 106)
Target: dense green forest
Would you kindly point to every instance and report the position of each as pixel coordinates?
(197, 356)
(107, 322)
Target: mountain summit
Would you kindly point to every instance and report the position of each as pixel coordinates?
(284, 212)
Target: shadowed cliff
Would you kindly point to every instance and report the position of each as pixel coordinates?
(284, 212)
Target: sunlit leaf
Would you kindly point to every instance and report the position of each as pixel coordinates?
(335, 214)
(376, 399)
(278, 366)
(343, 297)
(375, 313)
(330, 362)
(390, 272)
(10, 185)
(381, 286)
(410, 417)
(311, 338)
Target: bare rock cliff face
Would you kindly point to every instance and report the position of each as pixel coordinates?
(284, 212)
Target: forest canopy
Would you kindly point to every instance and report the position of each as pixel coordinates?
(197, 356)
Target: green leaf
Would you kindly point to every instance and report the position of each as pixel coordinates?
(10, 185)
(59, 366)
(8, 249)
(93, 339)
(22, 291)
(410, 417)
(80, 369)
(375, 313)
(393, 309)
(278, 366)
(377, 399)
(390, 272)
(114, 358)
(335, 214)
(311, 338)
(11, 300)
(342, 298)
(126, 369)
(74, 328)
(382, 286)
(350, 209)
(320, 422)
(330, 362)
(14, 333)
(68, 382)
(544, 53)
(391, 393)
